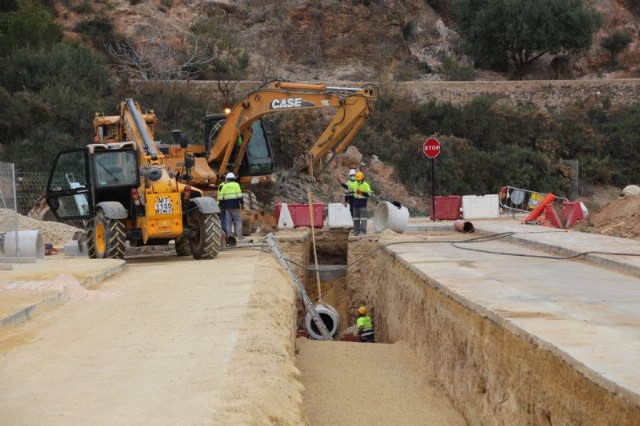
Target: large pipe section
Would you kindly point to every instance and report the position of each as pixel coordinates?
(390, 215)
(329, 317)
(27, 244)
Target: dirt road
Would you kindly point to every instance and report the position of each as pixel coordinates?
(168, 341)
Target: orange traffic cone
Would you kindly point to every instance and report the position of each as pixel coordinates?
(550, 198)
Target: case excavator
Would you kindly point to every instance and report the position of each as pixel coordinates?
(237, 141)
(122, 188)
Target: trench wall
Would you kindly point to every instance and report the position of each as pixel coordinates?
(297, 250)
(494, 373)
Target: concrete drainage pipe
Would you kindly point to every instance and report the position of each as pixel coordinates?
(29, 244)
(463, 226)
(390, 215)
(329, 317)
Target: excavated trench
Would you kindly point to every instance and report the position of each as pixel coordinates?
(488, 373)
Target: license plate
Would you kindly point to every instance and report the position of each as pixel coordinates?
(164, 206)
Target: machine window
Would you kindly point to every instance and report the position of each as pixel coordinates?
(118, 168)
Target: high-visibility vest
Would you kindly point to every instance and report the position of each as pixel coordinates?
(231, 195)
(220, 192)
(352, 185)
(364, 187)
(365, 323)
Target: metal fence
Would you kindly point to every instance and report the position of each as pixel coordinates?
(30, 189)
(8, 201)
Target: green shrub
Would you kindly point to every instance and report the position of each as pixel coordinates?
(31, 27)
(49, 99)
(99, 29)
(177, 106)
(454, 72)
(616, 42)
(67, 65)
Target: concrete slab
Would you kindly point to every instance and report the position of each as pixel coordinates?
(588, 314)
(24, 289)
(622, 254)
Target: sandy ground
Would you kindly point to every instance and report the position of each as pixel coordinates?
(169, 341)
(370, 384)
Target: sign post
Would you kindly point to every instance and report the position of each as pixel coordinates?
(431, 148)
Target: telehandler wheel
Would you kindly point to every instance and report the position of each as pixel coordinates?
(205, 244)
(183, 247)
(106, 237)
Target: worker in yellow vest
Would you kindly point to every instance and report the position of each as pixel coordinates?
(362, 193)
(350, 187)
(365, 325)
(223, 216)
(232, 201)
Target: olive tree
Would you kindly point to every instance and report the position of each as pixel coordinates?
(513, 33)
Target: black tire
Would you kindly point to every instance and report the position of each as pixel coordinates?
(183, 247)
(205, 244)
(106, 238)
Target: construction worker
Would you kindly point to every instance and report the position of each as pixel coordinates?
(231, 198)
(223, 216)
(365, 325)
(362, 193)
(349, 188)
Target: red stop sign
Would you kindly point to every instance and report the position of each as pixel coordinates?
(431, 147)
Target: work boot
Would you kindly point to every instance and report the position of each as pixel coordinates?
(356, 227)
(363, 227)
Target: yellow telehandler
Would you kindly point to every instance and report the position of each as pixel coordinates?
(122, 187)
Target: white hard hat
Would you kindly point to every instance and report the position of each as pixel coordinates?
(230, 175)
(352, 172)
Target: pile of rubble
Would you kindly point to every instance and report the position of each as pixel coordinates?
(55, 233)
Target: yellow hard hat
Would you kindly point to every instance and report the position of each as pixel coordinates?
(359, 176)
(362, 310)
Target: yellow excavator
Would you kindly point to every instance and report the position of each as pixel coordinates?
(124, 190)
(237, 141)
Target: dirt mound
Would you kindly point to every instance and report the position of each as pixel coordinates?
(619, 218)
(52, 232)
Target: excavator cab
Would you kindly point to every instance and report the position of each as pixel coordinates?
(258, 157)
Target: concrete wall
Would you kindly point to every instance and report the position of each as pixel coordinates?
(494, 373)
(547, 94)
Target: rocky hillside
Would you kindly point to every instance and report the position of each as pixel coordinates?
(343, 40)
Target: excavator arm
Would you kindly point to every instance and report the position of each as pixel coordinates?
(354, 106)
